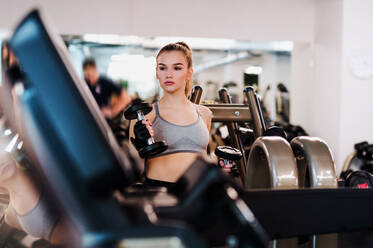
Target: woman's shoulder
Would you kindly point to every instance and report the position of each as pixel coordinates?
(205, 111)
(206, 115)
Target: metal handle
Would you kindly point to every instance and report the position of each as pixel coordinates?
(140, 115)
(236, 142)
(256, 115)
(195, 97)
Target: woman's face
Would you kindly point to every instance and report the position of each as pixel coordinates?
(173, 71)
(7, 166)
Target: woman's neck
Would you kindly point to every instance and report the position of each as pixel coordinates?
(175, 100)
(172, 100)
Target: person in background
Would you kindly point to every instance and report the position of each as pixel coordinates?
(105, 90)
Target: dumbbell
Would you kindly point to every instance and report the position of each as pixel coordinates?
(229, 154)
(275, 131)
(369, 153)
(361, 149)
(138, 111)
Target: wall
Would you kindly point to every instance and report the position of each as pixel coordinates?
(315, 93)
(72, 17)
(258, 20)
(356, 120)
(333, 77)
(302, 77)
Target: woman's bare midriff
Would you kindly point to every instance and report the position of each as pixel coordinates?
(169, 167)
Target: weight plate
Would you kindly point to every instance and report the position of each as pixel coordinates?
(153, 149)
(131, 112)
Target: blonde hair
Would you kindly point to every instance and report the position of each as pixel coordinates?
(185, 49)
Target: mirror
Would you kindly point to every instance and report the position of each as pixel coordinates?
(130, 61)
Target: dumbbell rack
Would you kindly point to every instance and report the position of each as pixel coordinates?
(230, 114)
(273, 162)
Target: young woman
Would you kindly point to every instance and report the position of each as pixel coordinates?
(183, 125)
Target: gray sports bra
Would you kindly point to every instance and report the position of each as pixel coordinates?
(41, 220)
(181, 138)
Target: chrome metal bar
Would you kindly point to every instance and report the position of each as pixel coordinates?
(257, 118)
(233, 133)
(229, 112)
(196, 94)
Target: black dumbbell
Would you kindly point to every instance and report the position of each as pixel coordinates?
(361, 149)
(138, 111)
(229, 154)
(275, 131)
(369, 153)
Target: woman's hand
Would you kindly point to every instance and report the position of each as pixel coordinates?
(143, 131)
(148, 125)
(227, 168)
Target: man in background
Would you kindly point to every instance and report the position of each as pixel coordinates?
(111, 98)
